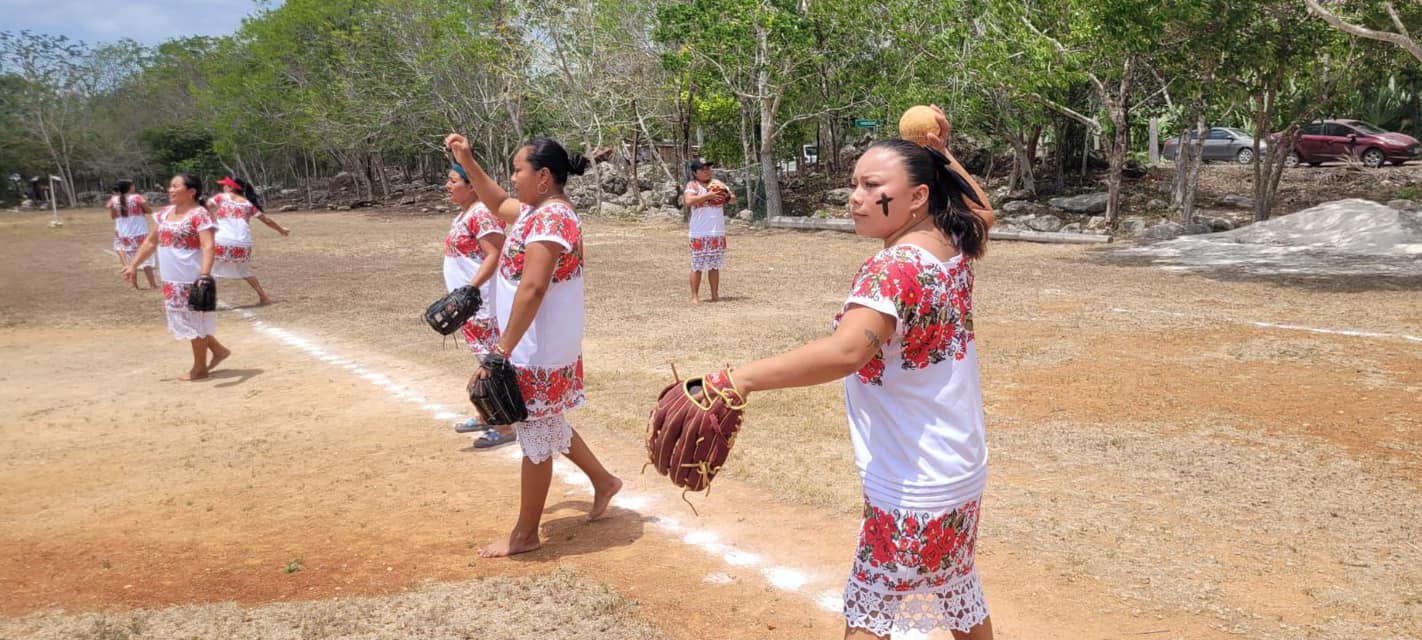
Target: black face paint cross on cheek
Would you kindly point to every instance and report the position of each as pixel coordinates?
(884, 201)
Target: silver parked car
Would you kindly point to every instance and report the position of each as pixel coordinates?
(1221, 143)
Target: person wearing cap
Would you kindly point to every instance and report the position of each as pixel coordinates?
(707, 198)
(234, 208)
(471, 256)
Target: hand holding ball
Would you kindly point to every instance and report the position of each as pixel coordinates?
(917, 123)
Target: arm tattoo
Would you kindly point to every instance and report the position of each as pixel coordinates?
(874, 342)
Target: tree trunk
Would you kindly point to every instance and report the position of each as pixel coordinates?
(636, 184)
(1263, 117)
(1189, 162)
(1120, 140)
(747, 156)
(768, 105)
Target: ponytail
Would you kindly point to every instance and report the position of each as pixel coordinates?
(948, 195)
(250, 193)
(122, 189)
(968, 230)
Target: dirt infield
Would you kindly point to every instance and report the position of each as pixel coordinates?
(1173, 455)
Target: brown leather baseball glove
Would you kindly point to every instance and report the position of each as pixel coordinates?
(693, 427)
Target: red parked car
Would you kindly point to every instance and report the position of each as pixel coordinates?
(1343, 139)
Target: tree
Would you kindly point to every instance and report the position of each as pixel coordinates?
(49, 103)
(1401, 38)
(1290, 67)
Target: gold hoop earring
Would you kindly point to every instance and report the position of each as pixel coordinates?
(543, 189)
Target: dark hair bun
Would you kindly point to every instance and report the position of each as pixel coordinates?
(577, 164)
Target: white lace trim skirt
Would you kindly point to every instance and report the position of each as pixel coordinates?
(913, 571)
(184, 323)
(544, 438)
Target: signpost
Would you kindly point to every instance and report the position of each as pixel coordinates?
(865, 123)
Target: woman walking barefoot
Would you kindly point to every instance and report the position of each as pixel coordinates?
(183, 240)
(539, 298)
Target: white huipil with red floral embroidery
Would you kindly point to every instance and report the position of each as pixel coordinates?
(462, 258)
(232, 250)
(130, 225)
(179, 264)
(707, 230)
(915, 409)
(549, 357)
(916, 422)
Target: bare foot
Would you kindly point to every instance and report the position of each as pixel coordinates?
(192, 375)
(715, 298)
(262, 302)
(602, 496)
(217, 357)
(695, 301)
(515, 544)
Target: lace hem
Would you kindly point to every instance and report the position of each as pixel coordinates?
(544, 438)
(956, 606)
(186, 324)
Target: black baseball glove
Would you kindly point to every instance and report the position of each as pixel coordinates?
(203, 294)
(450, 313)
(496, 396)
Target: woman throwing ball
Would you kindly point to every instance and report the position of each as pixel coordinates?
(903, 344)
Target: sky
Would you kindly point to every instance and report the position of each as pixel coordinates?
(147, 21)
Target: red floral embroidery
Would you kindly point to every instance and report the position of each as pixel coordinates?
(182, 233)
(231, 253)
(554, 219)
(481, 335)
(467, 228)
(133, 205)
(175, 295)
(708, 243)
(932, 548)
(551, 391)
(933, 303)
(127, 244)
(229, 208)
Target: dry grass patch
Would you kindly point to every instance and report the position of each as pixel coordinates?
(556, 606)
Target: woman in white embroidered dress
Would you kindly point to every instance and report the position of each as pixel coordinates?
(539, 300)
(707, 198)
(471, 254)
(234, 208)
(129, 212)
(183, 239)
(903, 344)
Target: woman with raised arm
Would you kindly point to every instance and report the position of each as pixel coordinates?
(904, 348)
(538, 297)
